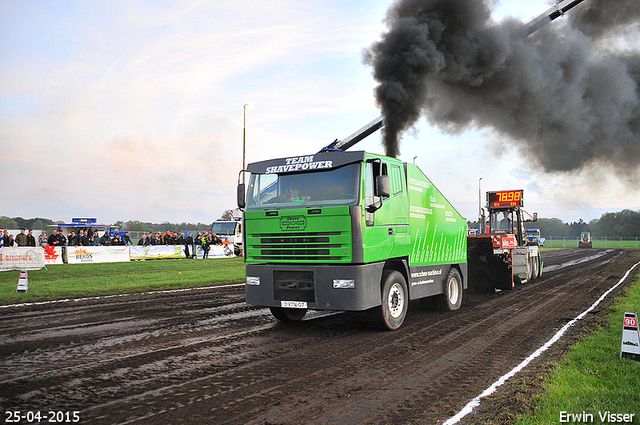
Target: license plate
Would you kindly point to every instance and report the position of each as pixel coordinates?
(293, 304)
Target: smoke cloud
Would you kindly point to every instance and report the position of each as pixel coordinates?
(565, 99)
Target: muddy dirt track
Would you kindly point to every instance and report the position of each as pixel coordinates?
(204, 356)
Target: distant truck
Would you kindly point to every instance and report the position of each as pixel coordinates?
(533, 237)
(585, 240)
(230, 231)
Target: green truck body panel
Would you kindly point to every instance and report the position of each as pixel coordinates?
(308, 229)
(439, 232)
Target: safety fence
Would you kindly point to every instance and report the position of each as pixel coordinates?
(35, 258)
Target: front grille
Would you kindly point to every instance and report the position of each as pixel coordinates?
(311, 246)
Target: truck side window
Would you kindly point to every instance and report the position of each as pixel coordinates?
(396, 181)
(373, 169)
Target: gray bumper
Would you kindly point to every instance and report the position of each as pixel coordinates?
(313, 284)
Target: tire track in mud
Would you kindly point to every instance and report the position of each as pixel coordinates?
(208, 357)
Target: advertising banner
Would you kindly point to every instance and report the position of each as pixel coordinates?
(97, 254)
(156, 252)
(215, 251)
(52, 254)
(22, 258)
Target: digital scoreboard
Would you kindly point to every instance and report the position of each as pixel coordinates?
(505, 199)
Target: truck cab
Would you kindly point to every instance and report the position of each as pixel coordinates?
(230, 231)
(349, 231)
(533, 237)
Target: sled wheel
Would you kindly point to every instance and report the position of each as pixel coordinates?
(535, 266)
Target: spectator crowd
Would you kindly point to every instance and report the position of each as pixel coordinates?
(90, 237)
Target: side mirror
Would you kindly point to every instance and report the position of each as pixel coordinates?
(241, 197)
(383, 186)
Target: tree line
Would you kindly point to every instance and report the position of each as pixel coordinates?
(625, 223)
(39, 223)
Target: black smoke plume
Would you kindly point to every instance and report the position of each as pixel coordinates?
(567, 100)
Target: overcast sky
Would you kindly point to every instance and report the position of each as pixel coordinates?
(133, 110)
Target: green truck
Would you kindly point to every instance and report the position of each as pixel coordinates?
(349, 231)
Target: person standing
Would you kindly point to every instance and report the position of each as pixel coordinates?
(188, 241)
(42, 239)
(80, 239)
(117, 241)
(62, 240)
(206, 245)
(105, 240)
(54, 239)
(21, 239)
(31, 240)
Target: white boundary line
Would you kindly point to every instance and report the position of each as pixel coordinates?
(476, 401)
(104, 297)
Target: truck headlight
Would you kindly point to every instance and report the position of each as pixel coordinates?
(344, 283)
(253, 280)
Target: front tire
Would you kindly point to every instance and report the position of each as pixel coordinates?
(288, 314)
(395, 301)
(451, 298)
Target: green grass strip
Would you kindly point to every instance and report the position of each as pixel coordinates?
(85, 280)
(592, 381)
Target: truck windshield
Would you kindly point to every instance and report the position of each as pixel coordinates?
(224, 227)
(340, 186)
(502, 221)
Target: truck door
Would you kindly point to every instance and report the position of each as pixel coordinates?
(386, 218)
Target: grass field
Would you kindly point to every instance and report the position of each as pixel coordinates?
(596, 243)
(82, 280)
(592, 379)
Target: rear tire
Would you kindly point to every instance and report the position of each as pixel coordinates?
(288, 314)
(451, 298)
(395, 301)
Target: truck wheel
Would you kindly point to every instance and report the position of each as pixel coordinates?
(451, 298)
(395, 301)
(288, 314)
